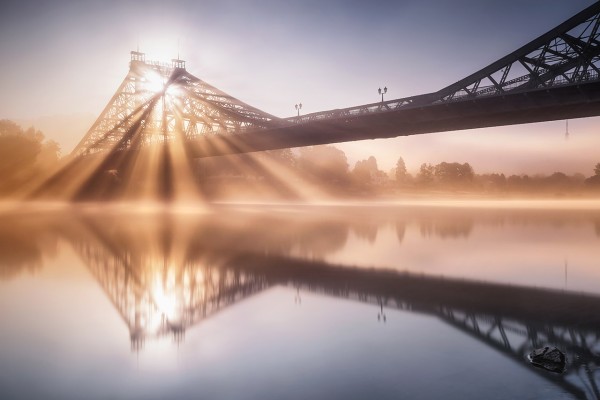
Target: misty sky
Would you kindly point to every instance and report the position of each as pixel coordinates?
(68, 57)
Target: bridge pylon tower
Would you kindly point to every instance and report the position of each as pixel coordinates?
(160, 101)
(137, 148)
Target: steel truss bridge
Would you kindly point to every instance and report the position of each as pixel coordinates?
(162, 117)
(555, 76)
(207, 272)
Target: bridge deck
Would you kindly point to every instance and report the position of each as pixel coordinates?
(554, 103)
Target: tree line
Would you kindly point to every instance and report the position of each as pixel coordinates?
(328, 167)
(457, 176)
(25, 154)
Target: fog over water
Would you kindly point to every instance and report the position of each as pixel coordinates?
(165, 259)
(295, 300)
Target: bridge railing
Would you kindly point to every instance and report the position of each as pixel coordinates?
(385, 106)
(570, 78)
(421, 100)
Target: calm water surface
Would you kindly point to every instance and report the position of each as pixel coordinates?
(298, 302)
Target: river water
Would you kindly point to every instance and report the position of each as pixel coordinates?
(354, 301)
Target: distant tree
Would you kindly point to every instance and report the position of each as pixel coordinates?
(23, 155)
(325, 163)
(426, 174)
(577, 177)
(594, 180)
(558, 179)
(401, 173)
(18, 153)
(284, 156)
(513, 181)
(8, 128)
(366, 172)
(454, 173)
(494, 182)
(49, 154)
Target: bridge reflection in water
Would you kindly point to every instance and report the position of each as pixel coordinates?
(165, 273)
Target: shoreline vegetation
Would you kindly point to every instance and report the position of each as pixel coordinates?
(309, 173)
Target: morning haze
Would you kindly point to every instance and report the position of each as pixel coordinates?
(273, 55)
(289, 200)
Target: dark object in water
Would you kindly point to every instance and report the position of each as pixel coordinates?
(549, 358)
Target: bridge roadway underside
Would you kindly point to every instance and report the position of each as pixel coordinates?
(555, 103)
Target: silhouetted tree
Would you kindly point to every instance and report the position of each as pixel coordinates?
(594, 180)
(49, 154)
(426, 174)
(325, 163)
(23, 154)
(18, 153)
(283, 156)
(366, 172)
(401, 173)
(454, 173)
(577, 178)
(494, 182)
(558, 180)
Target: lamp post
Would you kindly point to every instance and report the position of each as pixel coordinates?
(298, 107)
(382, 92)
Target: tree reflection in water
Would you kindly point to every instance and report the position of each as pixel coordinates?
(23, 243)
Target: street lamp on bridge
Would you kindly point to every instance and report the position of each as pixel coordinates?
(382, 92)
(298, 107)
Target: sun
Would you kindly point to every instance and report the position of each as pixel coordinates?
(162, 50)
(155, 82)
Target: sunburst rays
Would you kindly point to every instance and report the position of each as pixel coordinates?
(138, 148)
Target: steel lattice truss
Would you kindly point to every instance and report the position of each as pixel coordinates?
(158, 102)
(567, 55)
